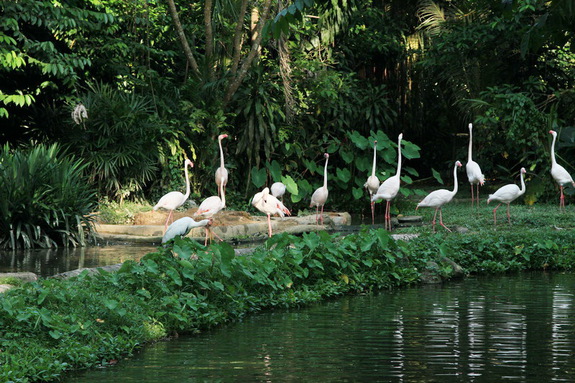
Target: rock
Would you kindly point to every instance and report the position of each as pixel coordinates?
(4, 288)
(25, 276)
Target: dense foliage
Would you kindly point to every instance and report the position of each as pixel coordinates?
(53, 326)
(45, 199)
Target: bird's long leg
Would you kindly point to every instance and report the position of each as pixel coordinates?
(321, 215)
(207, 235)
(167, 220)
(317, 214)
(441, 221)
(373, 213)
(269, 226)
(472, 197)
(508, 215)
(212, 232)
(495, 214)
(433, 221)
(388, 215)
(477, 194)
(561, 199)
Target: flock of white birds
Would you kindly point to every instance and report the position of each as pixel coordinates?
(269, 200)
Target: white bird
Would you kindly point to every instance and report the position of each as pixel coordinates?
(270, 205)
(507, 194)
(473, 170)
(278, 190)
(173, 200)
(210, 207)
(372, 183)
(558, 172)
(438, 198)
(182, 227)
(221, 172)
(319, 196)
(390, 187)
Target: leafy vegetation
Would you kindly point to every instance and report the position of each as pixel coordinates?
(53, 326)
(45, 199)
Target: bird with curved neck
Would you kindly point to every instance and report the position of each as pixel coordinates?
(558, 172)
(221, 172)
(182, 226)
(438, 198)
(319, 196)
(507, 194)
(473, 170)
(173, 200)
(268, 204)
(210, 207)
(390, 187)
(372, 183)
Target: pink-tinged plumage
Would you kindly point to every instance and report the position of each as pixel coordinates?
(278, 190)
(558, 172)
(210, 207)
(390, 187)
(319, 196)
(438, 198)
(507, 194)
(372, 183)
(473, 170)
(221, 172)
(173, 200)
(269, 205)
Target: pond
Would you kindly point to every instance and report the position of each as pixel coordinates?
(518, 328)
(48, 262)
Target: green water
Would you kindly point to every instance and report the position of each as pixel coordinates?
(515, 328)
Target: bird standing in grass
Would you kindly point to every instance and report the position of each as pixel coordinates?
(507, 194)
(390, 187)
(558, 172)
(319, 196)
(173, 200)
(473, 170)
(182, 227)
(372, 183)
(438, 198)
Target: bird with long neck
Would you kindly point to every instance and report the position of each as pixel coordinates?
(182, 227)
(173, 200)
(438, 198)
(210, 207)
(558, 172)
(319, 196)
(221, 172)
(473, 170)
(390, 187)
(507, 194)
(372, 183)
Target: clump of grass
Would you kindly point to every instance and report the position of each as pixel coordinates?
(114, 213)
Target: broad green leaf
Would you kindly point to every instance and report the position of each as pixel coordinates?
(290, 184)
(259, 177)
(437, 176)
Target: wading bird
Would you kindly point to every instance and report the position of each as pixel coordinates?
(558, 172)
(507, 194)
(390, 187)
(182, 227)
(438, 198)
(210, 207)
(221, 172)
(270, 205)
(173, 200)
(319, 196)
(473, 170)
(372, 183)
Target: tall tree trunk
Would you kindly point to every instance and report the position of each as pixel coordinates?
(238, 37)
(209, 38)
(256, 44)
(183, 40)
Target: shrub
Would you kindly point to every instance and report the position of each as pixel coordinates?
(45, 200)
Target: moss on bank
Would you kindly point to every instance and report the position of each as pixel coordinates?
(52, 326)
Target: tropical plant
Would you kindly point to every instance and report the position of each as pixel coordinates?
(45, 199)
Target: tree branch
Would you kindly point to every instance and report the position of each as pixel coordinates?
(209, 38)
(238, 37)
(183, 40)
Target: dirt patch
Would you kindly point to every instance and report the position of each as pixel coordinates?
(224, 217)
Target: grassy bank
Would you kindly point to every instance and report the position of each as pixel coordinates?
(53, 326)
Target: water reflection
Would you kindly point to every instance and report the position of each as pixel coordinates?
(47, 262)
(515, 328)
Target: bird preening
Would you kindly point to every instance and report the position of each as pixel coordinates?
(182, 226)
(268, 204)
(372, 183)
